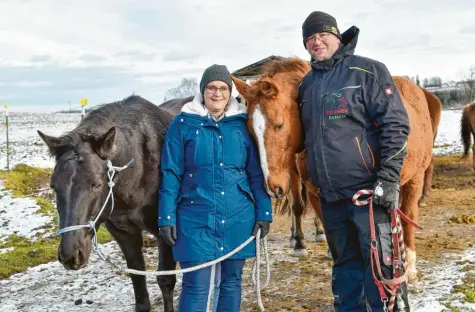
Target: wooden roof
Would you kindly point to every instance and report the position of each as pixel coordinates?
(253, 70)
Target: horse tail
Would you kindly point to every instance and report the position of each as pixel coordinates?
(435, 110)
(465, 130)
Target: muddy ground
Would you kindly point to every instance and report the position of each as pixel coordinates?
(304, 284)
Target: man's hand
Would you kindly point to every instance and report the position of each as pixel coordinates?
(386, 194)
(263, 225)
(168, 234)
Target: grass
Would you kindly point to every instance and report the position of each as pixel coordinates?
(442, 145)
(27, 181)
(24, 180)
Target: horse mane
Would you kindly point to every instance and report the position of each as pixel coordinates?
(290, 66)
(291, 70)
(99, 120)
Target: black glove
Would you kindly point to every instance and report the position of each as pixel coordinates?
(263, 225)
(386, 194)
(168, 234)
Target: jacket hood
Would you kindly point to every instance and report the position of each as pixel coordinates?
(196, 107)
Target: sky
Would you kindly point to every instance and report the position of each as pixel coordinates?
(53, 53)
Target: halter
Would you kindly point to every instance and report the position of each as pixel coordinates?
(111, 170)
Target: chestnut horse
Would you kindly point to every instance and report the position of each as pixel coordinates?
(274, 116)
(467, 130)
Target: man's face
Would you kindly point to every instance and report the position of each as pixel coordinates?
(322, 46)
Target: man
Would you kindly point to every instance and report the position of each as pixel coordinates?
(355, 128)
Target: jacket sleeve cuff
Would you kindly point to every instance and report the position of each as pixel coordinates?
(166, 211)
(264, 210)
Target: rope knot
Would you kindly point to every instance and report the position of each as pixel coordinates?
(92, 224)
(111, 184)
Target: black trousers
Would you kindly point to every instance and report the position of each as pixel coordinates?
(348, 235)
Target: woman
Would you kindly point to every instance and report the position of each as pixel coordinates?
(212, 196)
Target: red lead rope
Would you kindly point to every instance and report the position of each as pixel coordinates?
(386, 285)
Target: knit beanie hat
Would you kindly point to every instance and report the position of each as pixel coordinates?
(216, 72)
(318, 22)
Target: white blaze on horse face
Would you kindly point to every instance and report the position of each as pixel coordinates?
(259, 126)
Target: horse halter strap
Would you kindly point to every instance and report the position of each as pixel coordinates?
(111, 170)
(390, 286)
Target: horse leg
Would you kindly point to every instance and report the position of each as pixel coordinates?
(129, 238)
(410, 192)
(292, 233)
(166, 282)
(318, 220)
(297, 211)
(473, 152)
(428, 175)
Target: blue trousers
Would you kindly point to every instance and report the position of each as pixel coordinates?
(348, 236)
(195, 287)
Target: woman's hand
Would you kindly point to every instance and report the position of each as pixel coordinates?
(263, 225)
(168, 234)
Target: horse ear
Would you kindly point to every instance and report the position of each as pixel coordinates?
(243, 88)
(50, 141)
(268, 89)
(104, 145)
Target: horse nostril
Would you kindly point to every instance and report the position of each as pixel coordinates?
(79, 258)
(279, 191)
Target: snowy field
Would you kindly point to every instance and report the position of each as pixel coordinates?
(49, 287)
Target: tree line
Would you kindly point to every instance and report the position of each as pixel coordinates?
(450, 94)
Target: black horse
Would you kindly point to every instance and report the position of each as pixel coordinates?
(130, 129)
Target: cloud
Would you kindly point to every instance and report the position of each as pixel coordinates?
(53, 52)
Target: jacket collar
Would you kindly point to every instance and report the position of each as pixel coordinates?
(196, 107)
(349, 39)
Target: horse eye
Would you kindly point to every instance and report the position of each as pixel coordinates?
(279, 127)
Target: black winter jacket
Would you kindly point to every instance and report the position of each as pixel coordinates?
(354, 122)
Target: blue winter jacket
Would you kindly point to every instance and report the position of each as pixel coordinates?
(354, 121)
(212, 186)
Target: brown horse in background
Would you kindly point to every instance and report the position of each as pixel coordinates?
(274, 116)
(435, 111)
(467, 130)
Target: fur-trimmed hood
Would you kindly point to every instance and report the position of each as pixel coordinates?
(197, 108)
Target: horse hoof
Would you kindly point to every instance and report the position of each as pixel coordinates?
(329, 255)
(321, 238)
(292, 243)
(300, 253)
(143, 307)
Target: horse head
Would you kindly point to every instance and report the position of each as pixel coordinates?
(274, 119)
(79, 181)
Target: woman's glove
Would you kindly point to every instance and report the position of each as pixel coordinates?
(168, 234)
(263, 225)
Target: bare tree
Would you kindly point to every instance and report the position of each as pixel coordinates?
(187, 87)
(468, 84)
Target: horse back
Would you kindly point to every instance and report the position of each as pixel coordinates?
(420, 139)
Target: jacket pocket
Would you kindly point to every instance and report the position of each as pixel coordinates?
(385, 243)
(245, 189)
(366, 154)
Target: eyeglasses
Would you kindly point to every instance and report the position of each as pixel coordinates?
(320, 36)
(213, 89)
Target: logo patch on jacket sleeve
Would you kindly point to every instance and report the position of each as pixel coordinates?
(388, 91)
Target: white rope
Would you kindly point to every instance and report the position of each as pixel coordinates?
(255, 267)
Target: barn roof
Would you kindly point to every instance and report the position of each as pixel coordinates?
(255, 69)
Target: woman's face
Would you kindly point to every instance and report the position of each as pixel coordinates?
(216, 97)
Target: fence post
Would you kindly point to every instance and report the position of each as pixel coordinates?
(8, 142)
(83, 107)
